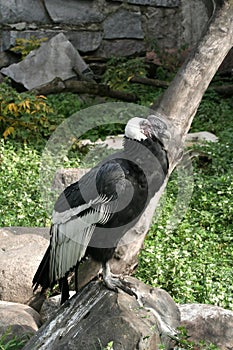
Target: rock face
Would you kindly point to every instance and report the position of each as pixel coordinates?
(21, 319)
(96, 316)
(105, 25)
(123, 24)
(73, 12)
(210, 323)
(20, 256)
(41, 67)
(20, 11)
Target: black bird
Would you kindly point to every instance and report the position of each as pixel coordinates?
(92, 215)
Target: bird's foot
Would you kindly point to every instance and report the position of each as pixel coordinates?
(115, 282)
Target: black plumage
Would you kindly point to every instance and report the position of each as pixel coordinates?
(92, 215)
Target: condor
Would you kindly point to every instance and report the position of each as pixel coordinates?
(92, 215)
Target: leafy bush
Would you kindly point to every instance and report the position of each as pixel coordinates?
(24, 116)
(20, 187)
(120, 70)
(25, 46)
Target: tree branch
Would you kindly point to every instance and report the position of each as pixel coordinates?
(83, 87)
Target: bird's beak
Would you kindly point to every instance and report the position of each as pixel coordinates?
(159, 128)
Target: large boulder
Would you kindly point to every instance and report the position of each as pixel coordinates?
(40, 67)
(96, 316)
(210, 323)
(20, 255)
(17, 319)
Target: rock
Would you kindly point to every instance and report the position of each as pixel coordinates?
(39, 67)
(210, 323)
(73, 12)
(20, 256)
(156, 3)
(20, 320)
(20, 230)
(21, 11)
(85, 41)
(96, 316)
(201, 136)
(120, 47)
(162, 27)
(50, 307)
(123, 24)
(9, 36)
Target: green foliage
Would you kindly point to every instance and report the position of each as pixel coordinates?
(109, 346)
(120, 70)
(25, 46)
(167, 60)
(9, 342)
(20, 200)
(24, 116)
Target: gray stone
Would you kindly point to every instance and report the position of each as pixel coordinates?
(201, 136)
(117, 48)
(9, 36)
(20, 320)
(85, 41)
(123, 24)
(12, 11)
(95, 316)
(161, 27)
(74, 12)
(210, 323)
(6, 59)
(40, 67)
(20, 256)
(156, 3)
(50, 307)
(192, 30)
(20, 230)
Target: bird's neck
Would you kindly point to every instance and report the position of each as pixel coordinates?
(144, 152)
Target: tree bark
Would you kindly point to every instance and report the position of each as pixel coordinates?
(151, 82)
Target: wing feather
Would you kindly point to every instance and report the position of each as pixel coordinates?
(73, 227)
(69, 240)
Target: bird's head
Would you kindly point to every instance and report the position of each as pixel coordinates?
(154, 127)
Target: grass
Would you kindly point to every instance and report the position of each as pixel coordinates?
(8, 341)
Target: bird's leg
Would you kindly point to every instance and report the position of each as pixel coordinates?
(64, 288)
(76, 277)
(114, 282)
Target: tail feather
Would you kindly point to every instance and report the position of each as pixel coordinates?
(41, 277)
